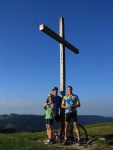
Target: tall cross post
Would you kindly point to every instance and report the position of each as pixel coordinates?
(63, 43)
(62, 58)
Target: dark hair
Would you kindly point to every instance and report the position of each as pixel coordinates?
(70, 87)
(54, 88)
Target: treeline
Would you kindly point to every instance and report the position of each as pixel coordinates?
(33, 123)
(22, 122)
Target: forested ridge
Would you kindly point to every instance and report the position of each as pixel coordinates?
(37, 122)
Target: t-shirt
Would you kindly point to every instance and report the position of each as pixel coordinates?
(69, 101)
(58, 101)
(49, 111)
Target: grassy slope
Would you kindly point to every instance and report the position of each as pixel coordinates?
(100, 129)
(28, 141)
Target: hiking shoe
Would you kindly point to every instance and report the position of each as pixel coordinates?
(66, 142)
(49, 142)
(79, 142)
(59, 140)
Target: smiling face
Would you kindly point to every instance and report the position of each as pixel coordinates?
(55, 92)
(50, 97)
(69, 90)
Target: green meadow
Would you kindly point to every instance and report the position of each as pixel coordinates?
(35, 141)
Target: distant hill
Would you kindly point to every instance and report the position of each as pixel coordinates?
(93, 119)
(37, 122)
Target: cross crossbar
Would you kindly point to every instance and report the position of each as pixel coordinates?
(63, 43)
(56, 37)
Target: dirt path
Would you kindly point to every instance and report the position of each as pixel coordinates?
(72, 145)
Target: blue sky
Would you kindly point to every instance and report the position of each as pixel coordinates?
(30, 60)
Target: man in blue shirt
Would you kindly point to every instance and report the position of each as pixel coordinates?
(70, 102)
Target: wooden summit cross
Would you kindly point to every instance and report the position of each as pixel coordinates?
(63, 43)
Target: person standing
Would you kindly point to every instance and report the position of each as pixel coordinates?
(49, 117)
(58, 117)
(70, 102)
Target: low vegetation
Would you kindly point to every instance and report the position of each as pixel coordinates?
(102, 134)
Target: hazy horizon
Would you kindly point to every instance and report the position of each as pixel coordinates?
(36, 108)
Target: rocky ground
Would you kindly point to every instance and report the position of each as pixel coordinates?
(91, 144)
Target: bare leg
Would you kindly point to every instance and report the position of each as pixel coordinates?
(59, 127)
(77, 130)
(50, 132)
(46, 130)
(66, 129)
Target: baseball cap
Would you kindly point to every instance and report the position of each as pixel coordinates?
(54, 88)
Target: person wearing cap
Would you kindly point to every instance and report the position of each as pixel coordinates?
(70, 102)
(58, 101)
(49, 117)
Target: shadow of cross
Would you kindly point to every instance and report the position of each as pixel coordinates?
(63, 43)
